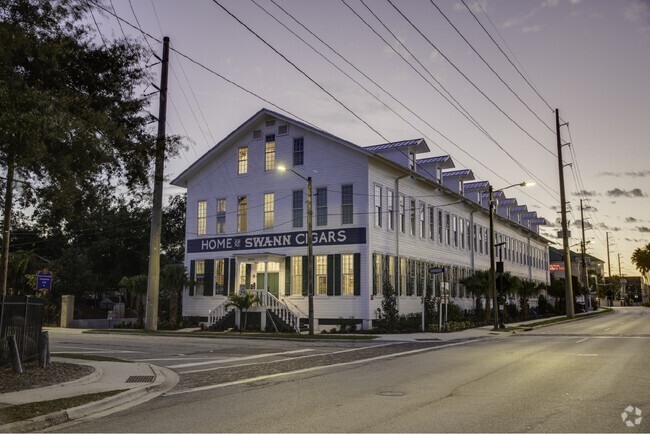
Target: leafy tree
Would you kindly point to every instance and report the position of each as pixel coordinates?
(173, 230)
(557, 290)
(242, 303)
(526, 291)
(641, 259)
(73, 127)
(137, 286)
(479, 285)
(173, 280)
(390, 317)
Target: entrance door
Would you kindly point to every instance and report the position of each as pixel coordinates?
(274, 283)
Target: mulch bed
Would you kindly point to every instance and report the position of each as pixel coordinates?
(33, 376)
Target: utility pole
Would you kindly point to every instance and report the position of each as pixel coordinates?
(493, 276)
(609, 265)
(620, 278)
(310, 259)
(153, 281)
(565, 232)
(584, 262)
(6, 227)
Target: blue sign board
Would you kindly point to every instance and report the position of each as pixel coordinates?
(44, 281)
(328, 237)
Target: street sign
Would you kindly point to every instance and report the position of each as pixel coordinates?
(44, 281)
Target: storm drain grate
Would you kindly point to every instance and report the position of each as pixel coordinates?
(140, 379)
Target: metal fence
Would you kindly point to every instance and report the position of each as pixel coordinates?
(21, 317)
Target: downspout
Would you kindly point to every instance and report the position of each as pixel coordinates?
(398, 228)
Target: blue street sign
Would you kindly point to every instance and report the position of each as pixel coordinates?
(44, 281)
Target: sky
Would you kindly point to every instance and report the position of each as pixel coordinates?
(478, 81)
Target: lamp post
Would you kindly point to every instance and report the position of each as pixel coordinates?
(493, 279)
(310, 250)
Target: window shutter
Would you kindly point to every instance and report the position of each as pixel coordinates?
(208, 282)
(226, 276)
(287, 276)
(192, 268)
(409, 277)
(374, 274)
(305, 273)
(357, 274)
(232, 275)
(330, 274)
(398, 276)
(337, 274)
(384, 270)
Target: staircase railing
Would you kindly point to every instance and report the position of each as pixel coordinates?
(267, 300)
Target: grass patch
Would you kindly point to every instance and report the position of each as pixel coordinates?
(20, 412)
(564, 318)
(237, 335)
(90, 357)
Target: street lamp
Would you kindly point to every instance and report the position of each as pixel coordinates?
(493, 279)
(310, 250)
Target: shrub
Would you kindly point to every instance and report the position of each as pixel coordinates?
(390, 319)
(453, 326)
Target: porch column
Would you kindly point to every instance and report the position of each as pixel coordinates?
(266, 275)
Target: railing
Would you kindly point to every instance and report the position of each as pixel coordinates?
(266, 300)
(21, 317)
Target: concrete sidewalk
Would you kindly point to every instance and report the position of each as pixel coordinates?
(143, 382)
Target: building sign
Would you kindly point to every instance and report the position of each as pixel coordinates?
(44, 281)
(271, 241)
(556, 267)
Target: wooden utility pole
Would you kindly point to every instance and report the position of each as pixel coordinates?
(6, 227)
(609, 264)
(565, 232)
(153, 282)
(584, 262)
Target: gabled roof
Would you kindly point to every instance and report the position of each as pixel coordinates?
(468, 186)
(539, 221)
(421, 146)
(529, 215)
(519, 208)
(432, 160)
(509, 201)
(182, 179)
(497, 194)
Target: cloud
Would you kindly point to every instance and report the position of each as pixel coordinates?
(637, 174)
(532, 29)
(578, 223)
(617, 192)
(609, 228)
(585, 193)
(630, 220)
(644, 229)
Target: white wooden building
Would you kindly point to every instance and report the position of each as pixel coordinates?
(379, 212)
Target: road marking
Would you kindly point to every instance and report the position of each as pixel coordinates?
(587, 355)
(581, 340)
(172, 358)
(314, 368)
(287, 358)
(607, 329)
(236, 359)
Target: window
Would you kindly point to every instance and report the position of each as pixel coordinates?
(378, 205)
(296, 275)
(298, 151)
(412, 210)
(402, 211)
(297, 208)
(347, 270)
(402, 278)
(391, 271)
(242, 209)
(469, 236)
(269, 152)
(201, 217)
(321, 206)
(321, 274)
(221, 216)
(283, 130)
(423, 229)
(242, 161)
(447, 229)
(219, 272)
(480, 239)
(268, 210)
(432, 225)
(474, 236)
(391, 209)
(461, 224)
(440, 231)
(199, 277)
(487, 242)
(347, 210)
(455, 230)
(378, 273)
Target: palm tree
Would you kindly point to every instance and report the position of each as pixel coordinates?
(172, 281)
(526, 291)
(641, 259)
(137, 286)
(243, 302)
(479, 285)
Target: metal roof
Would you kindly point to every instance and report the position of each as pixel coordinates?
(431, 160)
(509, 201)
(519, 208)
(529, 215)
(393, 145)
(462, 172)
(539, 221)
(475, 185)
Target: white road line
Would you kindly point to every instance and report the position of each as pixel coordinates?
(581, 340)
(587, 355)
(607, 329)
(235, 359)
(314, 368)
(286, 358)
(172, 358)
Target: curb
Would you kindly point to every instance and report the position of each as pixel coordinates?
(165, 380)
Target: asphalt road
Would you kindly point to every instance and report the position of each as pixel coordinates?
(574, 377)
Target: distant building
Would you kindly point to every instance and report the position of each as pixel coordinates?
(380, 213)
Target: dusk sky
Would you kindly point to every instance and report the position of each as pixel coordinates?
(588, 58)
